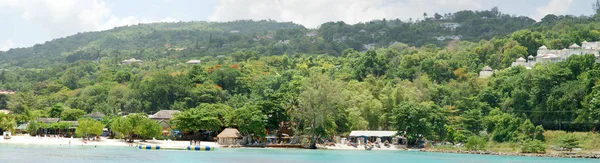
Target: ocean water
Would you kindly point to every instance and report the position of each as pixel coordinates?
(50, 154)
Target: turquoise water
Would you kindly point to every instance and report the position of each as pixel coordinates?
(37, 153)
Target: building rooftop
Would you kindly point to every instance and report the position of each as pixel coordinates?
(229, 133)
(574, 46)
(47, 120)
(373, 133)
(193, 62)
(487, 68)
(164, 114)
(131, 60)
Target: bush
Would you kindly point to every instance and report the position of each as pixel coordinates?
(568, 142)
(475, 143)
(533, 146)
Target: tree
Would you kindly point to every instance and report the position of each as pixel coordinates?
(88, 127)
(425, 119)
(250, 121)
(56, 111)
(596, 6)
(527, 130)
(531, 40)
(533, 146)
(147, 129)
(437, 16)
(72, 114)
(539, 133)
(196, 119)
(318, 101)
(128, 125)
(33, 127)
(568, 142)
(475, 143)
(472, 120)
(7, 122)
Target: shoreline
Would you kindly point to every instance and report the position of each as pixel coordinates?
(28, 140)
(32, 140)
(550, 155)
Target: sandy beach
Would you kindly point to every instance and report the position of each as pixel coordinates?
(34, 140)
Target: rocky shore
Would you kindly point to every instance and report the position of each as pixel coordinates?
(556, 155)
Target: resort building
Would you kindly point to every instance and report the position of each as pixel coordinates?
(544, 55)
(451, 26)
(362, 137)
(229, 136)
(131, 61)
(193, 62)
(163, 118)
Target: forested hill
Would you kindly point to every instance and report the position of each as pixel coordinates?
(257, 75)
(146, 41)
(198, 39)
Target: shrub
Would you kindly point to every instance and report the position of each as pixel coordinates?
(533, 146)
(568, 142)
(475, 143)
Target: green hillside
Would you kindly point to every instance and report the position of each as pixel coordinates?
(254, 75)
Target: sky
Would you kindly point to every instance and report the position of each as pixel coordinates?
(24, 23)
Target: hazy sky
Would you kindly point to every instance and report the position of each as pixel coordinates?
(24, 23)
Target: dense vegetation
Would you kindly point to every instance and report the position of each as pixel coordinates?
(252, 79)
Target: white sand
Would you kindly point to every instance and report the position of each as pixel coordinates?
(360, 147)
(100, 142)
(33, 140)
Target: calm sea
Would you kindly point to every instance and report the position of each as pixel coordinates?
(49, 154)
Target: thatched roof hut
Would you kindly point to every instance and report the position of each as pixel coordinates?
(229, 133)
(229, 136)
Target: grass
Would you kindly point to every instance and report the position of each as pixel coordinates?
(587, 140)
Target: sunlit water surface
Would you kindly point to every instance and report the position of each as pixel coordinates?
(47, 153)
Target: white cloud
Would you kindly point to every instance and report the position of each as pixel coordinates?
(553, 7)
(312, 13)
(65, 17)
(5, 45)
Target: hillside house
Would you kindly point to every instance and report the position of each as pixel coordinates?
(545, 55)
(486, 72)
(193, 62)
(131, 61)
(451, 26)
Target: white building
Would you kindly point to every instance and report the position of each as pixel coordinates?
(487, 71)
(453, 37)
(451, 26)
(193, 62)
(368, 46)
(131, 61)
(544, 55)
